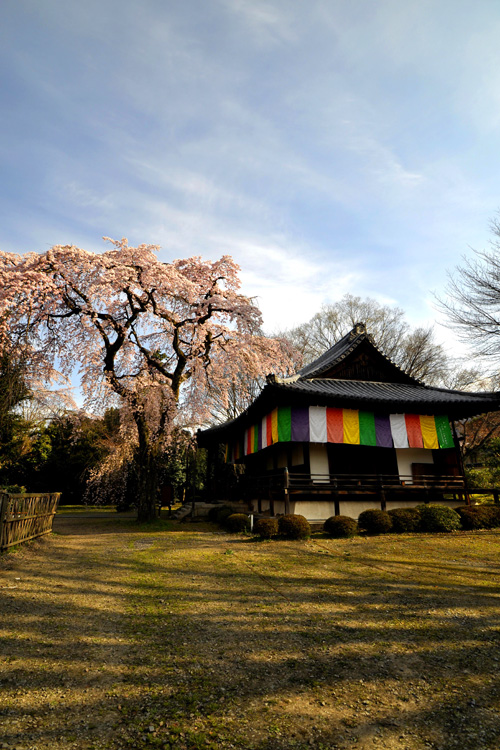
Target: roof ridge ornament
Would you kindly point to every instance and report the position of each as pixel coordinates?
(358, 329)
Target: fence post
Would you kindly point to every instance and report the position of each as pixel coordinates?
(4, 503)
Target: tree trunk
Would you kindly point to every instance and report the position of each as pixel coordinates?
(146, 465)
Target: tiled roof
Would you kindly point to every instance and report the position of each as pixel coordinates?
(361, 391)
(368, 395)
(407, 395)
(341, 350)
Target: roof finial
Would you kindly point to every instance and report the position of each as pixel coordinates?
(359, 328)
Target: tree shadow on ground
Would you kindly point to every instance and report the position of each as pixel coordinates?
(278, 645)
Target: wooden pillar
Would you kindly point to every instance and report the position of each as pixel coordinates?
(460, 462)
(336, 498)
(383, 504)
(286, 495)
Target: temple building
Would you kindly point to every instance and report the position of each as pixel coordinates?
(349, 431)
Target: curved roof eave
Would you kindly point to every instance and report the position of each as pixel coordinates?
(372, 395)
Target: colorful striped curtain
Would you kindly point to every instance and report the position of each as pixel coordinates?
(321, 424)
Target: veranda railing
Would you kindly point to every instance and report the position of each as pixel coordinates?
(290, 482)
(24, 517)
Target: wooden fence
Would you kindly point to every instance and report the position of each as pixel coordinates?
(24, 517)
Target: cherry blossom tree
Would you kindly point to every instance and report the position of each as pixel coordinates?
(155, 337)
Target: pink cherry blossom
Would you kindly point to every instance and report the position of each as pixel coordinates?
(155, 337)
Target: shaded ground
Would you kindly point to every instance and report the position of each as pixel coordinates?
(113, 636)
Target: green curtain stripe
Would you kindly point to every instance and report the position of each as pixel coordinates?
(284, 424)
(367, 432)
(367, 435)
(445, 438)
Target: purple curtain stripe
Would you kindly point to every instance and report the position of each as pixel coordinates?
(300, 424)
(383, 431)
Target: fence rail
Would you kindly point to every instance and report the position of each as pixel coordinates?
(24, 517)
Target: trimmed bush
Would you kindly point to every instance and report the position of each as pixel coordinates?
(341, 527)
(493, 512)
(237, 522)
(266, 527)
(223, 514)
(212, 513)
(224, 510)
(294, 527)
(439, 518)
(405, 519)
(474, 517)
(375, 521)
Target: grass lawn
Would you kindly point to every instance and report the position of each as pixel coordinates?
(118, 636)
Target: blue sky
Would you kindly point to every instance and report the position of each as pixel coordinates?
(329, 146)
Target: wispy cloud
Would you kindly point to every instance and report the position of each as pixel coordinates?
(328, 146)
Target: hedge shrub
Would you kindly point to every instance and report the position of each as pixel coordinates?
(493, 515)
(237, 522)
(375, 521)
(223, 510)
(474, 517)
(294, 527)
(212, 513)
(266, 527)
(405, 519)
(439, 518)
(340, 527)
(223, 514)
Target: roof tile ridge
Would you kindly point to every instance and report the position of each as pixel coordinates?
(375, 382)
(466, 393)
(277, 380)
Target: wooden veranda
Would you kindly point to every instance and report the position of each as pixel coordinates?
(285, 486)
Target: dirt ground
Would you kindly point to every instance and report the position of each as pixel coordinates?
(115, 636)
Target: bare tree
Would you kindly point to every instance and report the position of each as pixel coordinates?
(415, 351)
(473, 299)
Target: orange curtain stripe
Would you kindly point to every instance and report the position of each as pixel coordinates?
(335, 425)
(414, 431)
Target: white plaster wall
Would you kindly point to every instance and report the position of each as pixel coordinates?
(279, 507)
(314, 509)
(353, 508)
(318, 458)
(408, 456)
(264, 505)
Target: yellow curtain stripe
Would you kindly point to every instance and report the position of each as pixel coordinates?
(274, 425)
(429, 433)
(351, 426)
